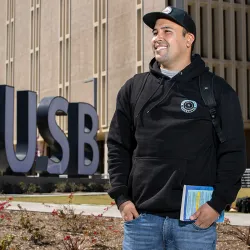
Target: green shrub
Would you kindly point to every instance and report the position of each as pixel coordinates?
(62, 187)
(8, 188)
(81, 187)
(47, 188)
(23, 187)
(31, 188)
(106, 186)
(6, 241)
(72, 186)
(95, 187)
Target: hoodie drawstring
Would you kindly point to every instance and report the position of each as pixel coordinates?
(162, 99)
(143, 85)
(149, 97)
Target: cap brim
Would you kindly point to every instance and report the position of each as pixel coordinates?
(150, 18)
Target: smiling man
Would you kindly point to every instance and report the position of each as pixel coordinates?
(170, 42)
(167, 133)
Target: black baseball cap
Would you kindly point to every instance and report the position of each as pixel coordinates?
(173, 14)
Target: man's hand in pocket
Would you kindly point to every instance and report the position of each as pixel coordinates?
(205, 216)
(128, 211)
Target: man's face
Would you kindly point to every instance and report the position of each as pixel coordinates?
(168, 43)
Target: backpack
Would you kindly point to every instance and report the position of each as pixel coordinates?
(207, 94)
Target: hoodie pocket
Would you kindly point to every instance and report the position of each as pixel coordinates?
(203, 167)
(156, 183)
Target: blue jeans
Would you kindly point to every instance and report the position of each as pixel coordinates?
(151, 232)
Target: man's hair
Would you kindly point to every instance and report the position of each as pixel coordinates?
(184, 32)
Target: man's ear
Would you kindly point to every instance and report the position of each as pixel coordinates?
(190, 39)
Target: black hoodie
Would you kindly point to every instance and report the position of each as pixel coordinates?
(161, 137)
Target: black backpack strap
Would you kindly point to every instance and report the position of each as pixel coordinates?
(207, 94)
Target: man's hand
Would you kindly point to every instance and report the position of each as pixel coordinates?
(205, 216)
(128, 211)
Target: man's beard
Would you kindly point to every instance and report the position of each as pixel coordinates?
(161, 58)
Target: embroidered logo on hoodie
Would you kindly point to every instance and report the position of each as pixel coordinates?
(188, 106)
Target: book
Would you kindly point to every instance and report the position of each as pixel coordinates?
(193, 197)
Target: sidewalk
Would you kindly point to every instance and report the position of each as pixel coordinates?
(53, 194)
(84, 209)
(239, 219)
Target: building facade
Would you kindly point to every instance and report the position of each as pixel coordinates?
(62, 47)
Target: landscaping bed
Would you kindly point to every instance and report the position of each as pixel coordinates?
(64, 229)
(33, 230)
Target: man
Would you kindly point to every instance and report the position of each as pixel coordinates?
(162, 137)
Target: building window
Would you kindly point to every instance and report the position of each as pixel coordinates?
(191, 9)
(139, 38)
(227, 34)
(170, 3)
(100, 58)
(241, 89)
(216, 33)
(248, 93)
(238, 34)
(35, 29)
(237, 81)
(64, 56)
(59, 119)
(216, 69)
(247, 31)
(10, 42)
(228, 74)
(203, 31)
(66, 117)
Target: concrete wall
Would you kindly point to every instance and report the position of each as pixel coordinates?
(22, 45)
(49, 48)
(121, 47)
(82, 51)
(2, 41)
